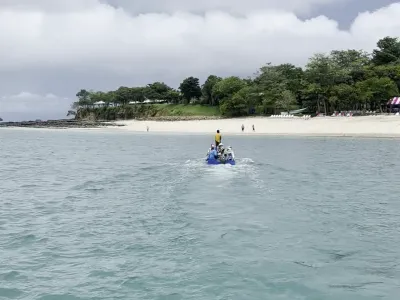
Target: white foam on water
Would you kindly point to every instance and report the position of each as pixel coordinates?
(221, 175)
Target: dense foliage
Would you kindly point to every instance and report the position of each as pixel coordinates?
(340, 80)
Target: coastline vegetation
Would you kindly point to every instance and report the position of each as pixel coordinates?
(343, 80)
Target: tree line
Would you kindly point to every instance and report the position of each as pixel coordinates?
(337, 81)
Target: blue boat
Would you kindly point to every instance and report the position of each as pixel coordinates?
(221, 162)
(226, 157)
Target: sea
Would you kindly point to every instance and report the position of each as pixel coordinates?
(103, 214)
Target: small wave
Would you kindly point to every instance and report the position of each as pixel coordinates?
(84, 185)
(149, 168)
(59, 297)
(102, 273)
(195, 163)
(22, 241)
(130, 282)
(122, 175)
(304, 264)
(246, 160)
(354, 286)
(29, 186)
(336, 255)
(10, 293)
(95, 190)
(12, 275)
(91, 186)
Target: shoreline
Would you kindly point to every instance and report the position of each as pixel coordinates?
(387, 127)
(114, 130)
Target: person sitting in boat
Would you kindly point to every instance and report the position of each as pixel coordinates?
(229, 153)
(209, 150)
(213, 153)
(221, 149)
(222, 152)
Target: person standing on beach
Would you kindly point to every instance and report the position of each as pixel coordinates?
(242, 128)
(218, 139)
(254, 128)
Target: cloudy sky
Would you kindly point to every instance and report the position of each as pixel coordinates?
(49, 49)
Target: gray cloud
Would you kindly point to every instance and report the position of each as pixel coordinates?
(232, 6)
(60, 6)
(58, 49)
(171, 6)
(27, 106)
(346, 11)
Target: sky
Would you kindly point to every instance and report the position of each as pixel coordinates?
(50, 49)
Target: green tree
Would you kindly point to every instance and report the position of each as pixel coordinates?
(207, 89)
(375, 91)
(286, 101)
(135, 94)
(83, 97)
(227, 87)
(294, 76)
(344, 96)
(190, 89)
(123, 95)
(388, 51)
(97, 97)
(240, 103)
(173, 96)
(271, 83)
(392, 71)
(323, 74)
(349, 65)
(350, 59)
(156, 91)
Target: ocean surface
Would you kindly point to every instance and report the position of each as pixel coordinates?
(101, 215)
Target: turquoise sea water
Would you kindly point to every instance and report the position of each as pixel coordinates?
(98, 215)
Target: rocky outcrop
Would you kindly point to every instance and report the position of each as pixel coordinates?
(58, 124)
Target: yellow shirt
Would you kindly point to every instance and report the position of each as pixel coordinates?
(218, 138)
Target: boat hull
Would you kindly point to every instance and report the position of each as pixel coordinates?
(218, 162)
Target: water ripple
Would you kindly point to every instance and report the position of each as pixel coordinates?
(100, 216)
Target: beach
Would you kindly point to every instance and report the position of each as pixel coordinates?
(366, 126)
(382, 126)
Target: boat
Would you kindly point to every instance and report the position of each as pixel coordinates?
(221, 162)
(226, 158)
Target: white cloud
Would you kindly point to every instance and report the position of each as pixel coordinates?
(85, 36)
(110, 39)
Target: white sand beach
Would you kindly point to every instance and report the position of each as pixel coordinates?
(368, 126)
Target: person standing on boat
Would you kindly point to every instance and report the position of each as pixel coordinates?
(218, 138)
